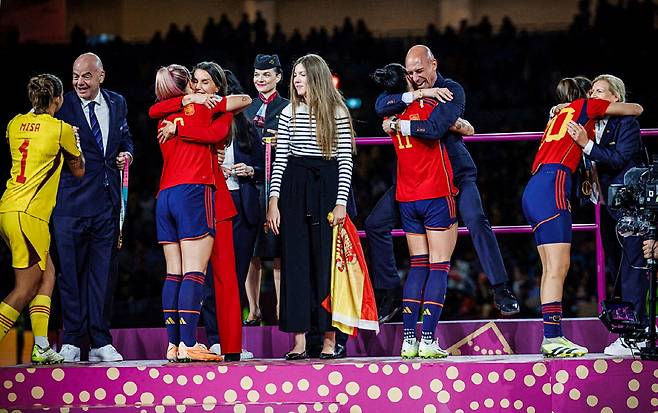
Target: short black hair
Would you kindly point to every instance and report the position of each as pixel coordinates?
(392, 78)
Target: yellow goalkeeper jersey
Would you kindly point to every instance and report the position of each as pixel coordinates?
(37, 143)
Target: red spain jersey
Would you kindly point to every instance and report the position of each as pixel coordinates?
(189, 157)
(556, 145)
(424, 170)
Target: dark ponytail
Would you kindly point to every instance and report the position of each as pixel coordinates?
(392, 78)
(42, 90)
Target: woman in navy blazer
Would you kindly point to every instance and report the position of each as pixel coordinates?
(265, 111)
(616, 149)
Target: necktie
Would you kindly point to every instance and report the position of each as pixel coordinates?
(95, 126)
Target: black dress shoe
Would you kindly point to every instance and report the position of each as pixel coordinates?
(387, 318)
(296, 356)
(253, 323)
(340, 352)
(505, 301)
(389, 305)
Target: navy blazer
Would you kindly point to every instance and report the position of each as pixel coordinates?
(619, 150)
(436, 127)
(249, 191)
(88, 196)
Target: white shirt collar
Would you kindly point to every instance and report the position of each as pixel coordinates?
(599, 127)
(97, 99)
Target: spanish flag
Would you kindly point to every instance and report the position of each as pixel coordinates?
(351, 300)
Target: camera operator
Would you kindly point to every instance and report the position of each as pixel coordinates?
(618, 148)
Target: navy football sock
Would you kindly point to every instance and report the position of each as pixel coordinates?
(435, 295)
(552, 314)
(189, 306)
(170, 291)
(412, 293)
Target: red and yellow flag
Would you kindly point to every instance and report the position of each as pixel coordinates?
(352, 299)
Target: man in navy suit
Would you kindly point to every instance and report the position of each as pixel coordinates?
(85, 219)
(616, 149)
(422, 69)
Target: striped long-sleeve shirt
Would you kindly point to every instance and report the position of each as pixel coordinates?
(299, 139)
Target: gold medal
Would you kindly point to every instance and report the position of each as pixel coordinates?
(586, 188)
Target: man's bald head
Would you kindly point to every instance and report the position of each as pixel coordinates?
(90, 60)
(88, 74)
(420, 51)
(421, 66)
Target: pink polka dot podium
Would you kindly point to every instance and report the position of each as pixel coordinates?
(496, 383)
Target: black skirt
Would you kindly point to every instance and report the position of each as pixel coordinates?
(308, 193)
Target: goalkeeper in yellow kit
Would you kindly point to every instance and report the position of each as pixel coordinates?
(39, 144)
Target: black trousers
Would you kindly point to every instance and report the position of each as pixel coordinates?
(308, 193)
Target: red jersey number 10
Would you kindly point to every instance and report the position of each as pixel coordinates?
(562, 119)
(23, 150)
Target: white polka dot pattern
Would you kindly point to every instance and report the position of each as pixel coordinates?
(456, 384)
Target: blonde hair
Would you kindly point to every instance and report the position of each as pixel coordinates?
(617, 86)
(171, 81)
(323, 101)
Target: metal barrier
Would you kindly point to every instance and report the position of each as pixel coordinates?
(525, 229)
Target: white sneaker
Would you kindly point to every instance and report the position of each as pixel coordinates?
(246, 354)
(409, 348)
(620, 348)
(70, 353)
(105, 353)
(216, 348)
(430, 349)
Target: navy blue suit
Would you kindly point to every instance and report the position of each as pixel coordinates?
(85, 225)
(246, 225)
(619, 150)
(382, 217)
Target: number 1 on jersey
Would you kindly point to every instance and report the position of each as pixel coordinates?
(23, 150)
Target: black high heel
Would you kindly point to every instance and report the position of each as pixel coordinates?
(296, 356)
(254, 322)
(328, 356)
